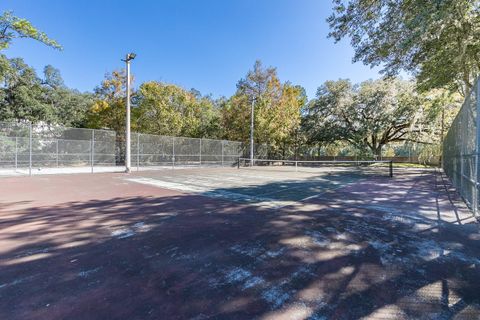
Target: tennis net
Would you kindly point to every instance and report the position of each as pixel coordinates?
(364, 167)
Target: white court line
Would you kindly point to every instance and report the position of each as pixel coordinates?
(211, 190)
(320, 195)
(206, 180)
(210, 180)
(259, 201)
(236, 181)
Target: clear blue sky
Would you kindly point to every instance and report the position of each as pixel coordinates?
(204, 44)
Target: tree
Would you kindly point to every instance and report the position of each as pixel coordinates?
(369, 115)
(167, 109)
(52, 77)
(435, 40)
(108, 110)
(26, 96)
(158, 108)
(210, 118)
(277, 109)
(12, 27)
(21, 93)
(70, 107)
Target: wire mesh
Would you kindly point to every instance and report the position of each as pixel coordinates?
(405, 152)
(23, 145)
(211, 151)
(232, 150)
(152, 150)
(261, 150)
(155, 150)
(361, 167)
(461, 150)
(187, 151)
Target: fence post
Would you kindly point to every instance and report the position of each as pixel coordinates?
(222, 151)
(477, 150)
(462, 176)
(16, 153)
(138, 151)
(92, 153)
(200, 157)
(173, 152)
(30, 151)
(57, 152)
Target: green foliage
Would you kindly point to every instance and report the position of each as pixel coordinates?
(12, 27)
(435, 40)
(25, 96)
(158, 108)
(370, 115)
(53, 78)
(167, 109)
(277, 109)
(344, 119)
(108, 109)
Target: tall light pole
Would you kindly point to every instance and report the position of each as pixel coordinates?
(251, 131)
(128, 58)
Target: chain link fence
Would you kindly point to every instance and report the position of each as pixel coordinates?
(399, 152)
(154, 150)
(461, 150)
(24, 146)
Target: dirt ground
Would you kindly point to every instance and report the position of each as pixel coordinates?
(116, 246)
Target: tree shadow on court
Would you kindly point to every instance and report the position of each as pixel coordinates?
(345, 255)
(291, 189)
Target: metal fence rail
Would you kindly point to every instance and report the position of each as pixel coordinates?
(23, 145)
(461, 150)
(156, 150)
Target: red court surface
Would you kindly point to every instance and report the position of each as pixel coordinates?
(102, 246)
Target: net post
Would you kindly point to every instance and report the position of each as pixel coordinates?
(238, 163)
(296, 169)
(391, 168)
(30, 150)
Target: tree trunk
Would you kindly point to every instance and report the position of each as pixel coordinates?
(377, 151)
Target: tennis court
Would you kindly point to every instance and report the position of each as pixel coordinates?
(268, 183)
(229, 243)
